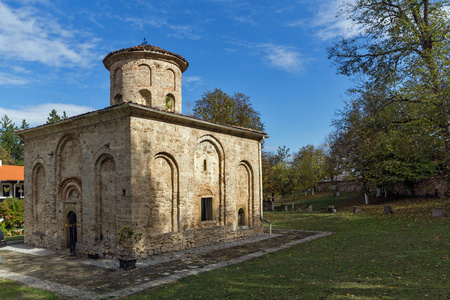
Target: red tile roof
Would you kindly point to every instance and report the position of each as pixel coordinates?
(149, 48)
(11, 173)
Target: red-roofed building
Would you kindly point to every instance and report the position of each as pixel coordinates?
(11, 181)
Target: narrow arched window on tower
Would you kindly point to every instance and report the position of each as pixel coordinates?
(118, 99)
(118, 78)
(170, 102)
(146, 97)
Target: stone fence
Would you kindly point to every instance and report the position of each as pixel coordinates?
(438, 187)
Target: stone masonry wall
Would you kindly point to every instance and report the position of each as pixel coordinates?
(198, 163)
(60, 165)
(114, 168)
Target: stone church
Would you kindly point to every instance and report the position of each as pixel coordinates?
(180, 181)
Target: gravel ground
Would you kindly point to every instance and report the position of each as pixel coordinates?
(22, 248)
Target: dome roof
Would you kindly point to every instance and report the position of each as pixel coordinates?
(144, 51)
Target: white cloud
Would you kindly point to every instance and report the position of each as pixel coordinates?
(9, 79)
(191, 83)
(328, 21)
(283, 57)
(183, 31)
(37, 114)
(27, 34)
(245, 20)
(286, 58)
(177, 31)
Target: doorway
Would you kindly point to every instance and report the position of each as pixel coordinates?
(72, 240)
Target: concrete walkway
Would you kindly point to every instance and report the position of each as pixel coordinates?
(83, 278)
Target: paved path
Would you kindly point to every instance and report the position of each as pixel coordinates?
(83, 278)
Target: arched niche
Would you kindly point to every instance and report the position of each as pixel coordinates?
(106, 193)
(209, 175)
(71, 195)
(144, 76)
(39, 198)
(164, 207)
(170, 79)
(68, 158)
(244, 192)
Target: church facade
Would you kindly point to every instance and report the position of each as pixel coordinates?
(180, 181)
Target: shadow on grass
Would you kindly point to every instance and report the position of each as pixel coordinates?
(370, 257)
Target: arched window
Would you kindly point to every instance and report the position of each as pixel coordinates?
(170, 102)
(146, 97)
(118, 78)
(241, 217)
(118, 99)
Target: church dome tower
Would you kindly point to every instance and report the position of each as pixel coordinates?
(146, 75)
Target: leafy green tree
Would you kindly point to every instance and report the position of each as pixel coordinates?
(54, 117)
(308, 165)
(396, 127)
(10, 141)
(219, 107)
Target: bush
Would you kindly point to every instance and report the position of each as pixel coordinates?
(11, 210)
(3, 228)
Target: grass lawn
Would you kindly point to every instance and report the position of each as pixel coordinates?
(370, 256)
(12, 290)
(14, 238)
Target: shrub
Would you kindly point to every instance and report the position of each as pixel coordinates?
(3, 228)
(11, 210)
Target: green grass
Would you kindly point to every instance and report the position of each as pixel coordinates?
(370, 256)
(16, 291)
(14, 238)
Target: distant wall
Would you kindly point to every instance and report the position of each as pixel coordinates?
(431, 187)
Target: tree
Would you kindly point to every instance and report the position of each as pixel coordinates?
(5, 157)
(10, 141)
(219, 107)
(397, 126)
(308, 165)
(276, 168)
(54, 117)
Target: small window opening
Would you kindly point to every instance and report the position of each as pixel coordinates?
(241, 217)
(118, 99)
(169, 102)
(207, 209)
(204, 165)
(6, 190)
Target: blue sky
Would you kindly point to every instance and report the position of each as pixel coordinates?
(51, 55)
